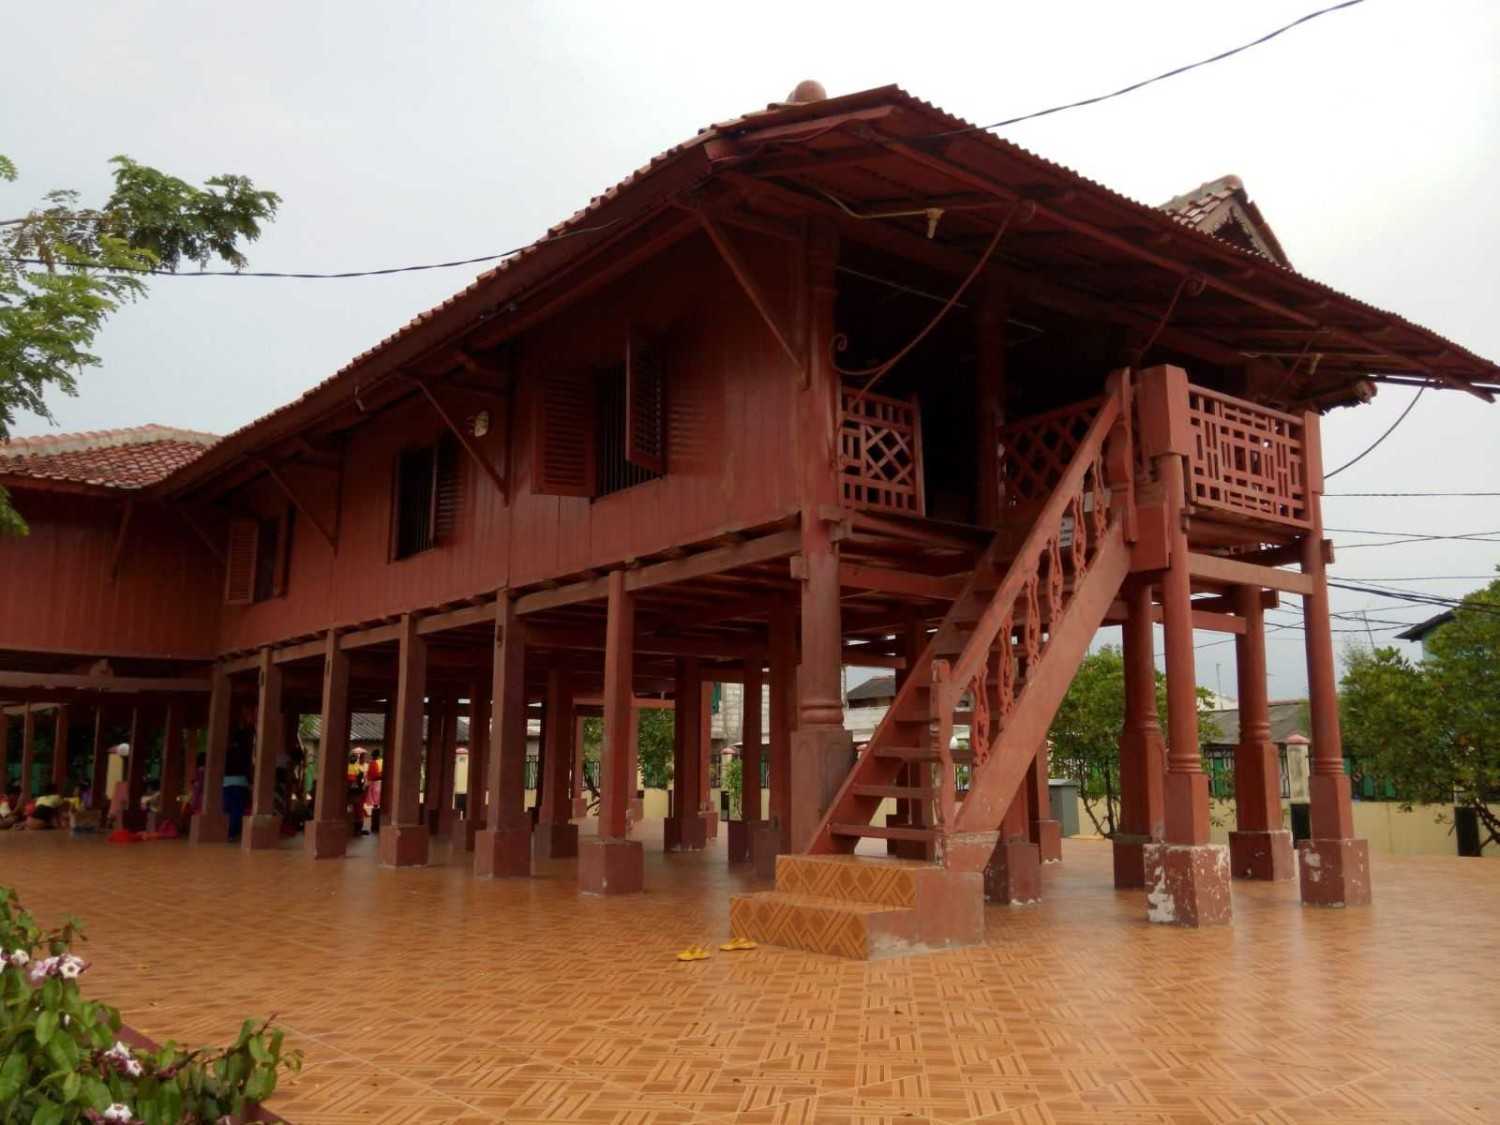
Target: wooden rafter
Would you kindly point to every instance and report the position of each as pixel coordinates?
(296, 502)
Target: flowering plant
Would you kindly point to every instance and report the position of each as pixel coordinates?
(62, 1058)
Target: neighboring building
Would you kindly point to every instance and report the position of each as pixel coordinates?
(1288, 722)
(1421, 632)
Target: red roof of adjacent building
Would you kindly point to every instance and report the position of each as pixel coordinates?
(116, 459)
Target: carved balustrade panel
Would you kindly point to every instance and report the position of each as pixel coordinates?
(880, 453)
(1247, 460)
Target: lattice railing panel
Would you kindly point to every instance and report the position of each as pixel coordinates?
(1247, 460)
(880, 453)
(1036, 451)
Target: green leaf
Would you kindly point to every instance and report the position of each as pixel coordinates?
(46, 1027)
(48, 1113)
(72, 1086)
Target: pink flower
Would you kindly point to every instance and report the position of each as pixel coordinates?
(118, 1112)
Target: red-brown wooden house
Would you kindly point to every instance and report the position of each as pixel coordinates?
(842, 381)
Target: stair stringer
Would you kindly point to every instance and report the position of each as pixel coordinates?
(994, 785)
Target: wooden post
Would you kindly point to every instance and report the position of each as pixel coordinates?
(135, 772)
(210, 826)
(4, 754)
(741, 831)
(1187, 877)
(686, 829)
(263, 826)
(1046, 832)
(611, 863)
(1259, 848)
(432, 759)
(169, 800)
(1335, 865)
(823, 752)
(1142, 749)
(447, 780)
(774, 838)
(989, 401)
(706, 807)
(556, 835)
(60, 782)
(580, 804)
(28, 753)
(327, 835)
(465, 830)
(99, 765)
(404, 838)
(503, 848)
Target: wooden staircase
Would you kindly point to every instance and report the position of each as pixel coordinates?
(999, 664)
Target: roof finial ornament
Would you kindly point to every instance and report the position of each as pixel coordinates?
(808, 90)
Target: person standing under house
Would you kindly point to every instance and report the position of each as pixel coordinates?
(238, 763)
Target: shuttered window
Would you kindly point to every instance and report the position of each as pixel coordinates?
(258, 561)
(617, 471)
(645, 407)
(240, 562)
(562, 435)
(427, 496)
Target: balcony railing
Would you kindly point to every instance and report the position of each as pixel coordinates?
(1247, 460)
(880, 453)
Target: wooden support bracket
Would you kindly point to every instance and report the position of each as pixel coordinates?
(464, 438)
(296, 502)
(124, 529)
(741, 270)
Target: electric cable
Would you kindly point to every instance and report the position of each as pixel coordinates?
(1376, 443)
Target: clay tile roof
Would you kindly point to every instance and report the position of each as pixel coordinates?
(123, 459)
(1223, 208)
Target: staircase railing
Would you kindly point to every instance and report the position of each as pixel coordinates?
(1089, 491)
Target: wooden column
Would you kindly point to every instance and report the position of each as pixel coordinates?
(1014, 872)
(327, 834)
(60, 782)
(447, 783)
(432, 759)
(707, 809)
(169, 801)
(99, 764)
(1046, 832)
(404, 839)
(209, 826)
(741, 831)
(823, 751)
(686, 829)
(989, 400)
(1260, 848)
(556, 835)
(1335, 865)
(28, 753)
(1142, 748)
(577, 791)
(4, 754)
(503, 848)
(135, 770)
(1187, 877)
(775, 837)
(263, 825)
(610, 863)
(465, 830)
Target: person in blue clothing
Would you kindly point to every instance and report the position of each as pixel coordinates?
(238, 764)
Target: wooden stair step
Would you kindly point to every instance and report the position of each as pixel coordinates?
(885, 831)
(896, 792)
(906, 753)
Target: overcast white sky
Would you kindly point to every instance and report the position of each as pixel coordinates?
(402, 133)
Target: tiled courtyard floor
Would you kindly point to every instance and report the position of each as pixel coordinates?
(429, 996)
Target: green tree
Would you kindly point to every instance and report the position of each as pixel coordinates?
(1432, 730)
(654, 746)
(64, 268)
(1085, 733)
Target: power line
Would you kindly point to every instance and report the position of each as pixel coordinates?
(1134, 86)
(156, 272)
(1342, 495)
(1376, 443)
(1432, 578)
(1417, 534)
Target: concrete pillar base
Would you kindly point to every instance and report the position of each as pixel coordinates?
(505, 852)
(1335, 872)
(261, 832)
(326, 839)
(611, 866)
(971, 851)
(741, 833)
(209, 828)
(686, 833)
(1262, 855)
(554, 840)
(1130, 860)
(711, 822)
(1014, 874)
(1047, 836)
(465, 829)
(1187, 884)
(580, 807)
(767, 841)
(822, 757)
(404, 845)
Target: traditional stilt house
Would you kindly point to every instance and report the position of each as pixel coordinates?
(844, 381)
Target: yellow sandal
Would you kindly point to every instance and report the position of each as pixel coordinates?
(693, 953)
(737, 943)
